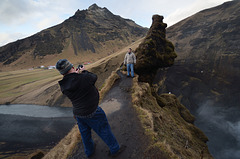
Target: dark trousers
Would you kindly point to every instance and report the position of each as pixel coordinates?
(100, 125)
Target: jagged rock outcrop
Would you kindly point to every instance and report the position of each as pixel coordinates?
(95, 30)
(155, 51)
(169, 124)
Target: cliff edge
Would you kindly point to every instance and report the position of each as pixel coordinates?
(169, 124)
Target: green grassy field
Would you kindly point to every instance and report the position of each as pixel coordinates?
(17, 83)
(40, 86)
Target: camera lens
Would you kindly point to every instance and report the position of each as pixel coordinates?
(80, 66)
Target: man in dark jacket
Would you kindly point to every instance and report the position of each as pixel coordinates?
(80, 89)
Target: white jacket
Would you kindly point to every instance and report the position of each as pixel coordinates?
(130, 58)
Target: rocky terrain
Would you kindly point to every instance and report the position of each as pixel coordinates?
(86, 36)
(167, 124)
(206, 69)
(205, 76)
(208, 62)
(167, 121)
(40, 86)
(154, 52)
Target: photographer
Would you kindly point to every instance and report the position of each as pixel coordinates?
(80, 89)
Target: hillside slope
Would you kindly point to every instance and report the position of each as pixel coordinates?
(205, 76)
(167, 123)
(165, 119)
(208, 62)
(40, 86)
(210, 35)
(86, 36)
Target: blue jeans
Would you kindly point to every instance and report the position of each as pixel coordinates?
(100, 125)
(130, 66)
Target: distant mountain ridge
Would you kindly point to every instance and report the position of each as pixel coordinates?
(95, 30)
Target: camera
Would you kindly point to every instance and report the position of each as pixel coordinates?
(79, 67)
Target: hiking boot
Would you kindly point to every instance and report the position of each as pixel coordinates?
(121, 149)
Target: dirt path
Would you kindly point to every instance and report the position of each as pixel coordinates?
(124, 123)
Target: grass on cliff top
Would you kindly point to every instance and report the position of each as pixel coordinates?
(169, 127)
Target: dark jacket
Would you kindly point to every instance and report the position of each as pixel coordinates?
(80, 89)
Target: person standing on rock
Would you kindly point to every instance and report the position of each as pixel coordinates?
(130, 60)
(80, 89)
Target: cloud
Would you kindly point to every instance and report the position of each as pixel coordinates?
(184, 12)
(22, 11)
(48, 22)
(15, 12)
(31, 16)
(24, 17)
(9, 37)
(141, 11)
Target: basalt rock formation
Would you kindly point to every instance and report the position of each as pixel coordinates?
(155, 51)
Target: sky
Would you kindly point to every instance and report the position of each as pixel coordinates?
(23, 18)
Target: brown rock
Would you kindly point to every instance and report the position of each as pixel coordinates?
(155, 51)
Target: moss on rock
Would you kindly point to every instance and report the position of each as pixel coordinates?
(169, 124)
(155, 51)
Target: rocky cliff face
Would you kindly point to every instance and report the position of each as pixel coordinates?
(205, 76)
(95, 30)
(211, 34)
(208, 62)
(168, 123)
(155, 51)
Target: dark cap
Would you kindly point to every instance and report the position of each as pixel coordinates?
(63, 66)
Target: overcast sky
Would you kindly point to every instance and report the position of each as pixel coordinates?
(22, 18)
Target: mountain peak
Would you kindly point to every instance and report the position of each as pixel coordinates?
(94, 7)
(89, 30)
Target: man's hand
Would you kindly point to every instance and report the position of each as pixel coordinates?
(80, 69)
